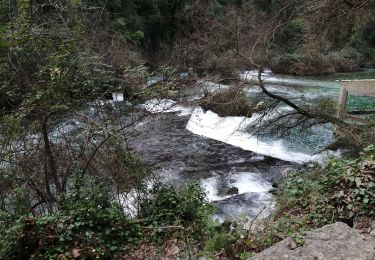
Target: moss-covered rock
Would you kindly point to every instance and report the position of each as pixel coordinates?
(231, 102)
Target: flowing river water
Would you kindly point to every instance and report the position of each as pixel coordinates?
(186, 144)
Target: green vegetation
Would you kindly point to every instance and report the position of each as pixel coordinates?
(342, 191)
(91, 225)
(293, 37)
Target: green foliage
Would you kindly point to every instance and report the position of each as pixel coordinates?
(186, 208)
(10, 231)
(343, 191)
(292, 35)
(88, 221)
(222, 237)
(93, 225)
(148, 21)
(121, 26)
(224, 241)
(299, 238)
(218, 8)
(48, 69)
(269, 6)
(163, 20)
(273, 229)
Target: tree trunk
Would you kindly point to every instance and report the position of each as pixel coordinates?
(50, 158)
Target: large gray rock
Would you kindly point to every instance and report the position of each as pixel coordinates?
(332, 242)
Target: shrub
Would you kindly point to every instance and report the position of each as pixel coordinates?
(343, 191)
(305, 63)
(88, 223)
(346, 60)
(182, 212)
(91, 225)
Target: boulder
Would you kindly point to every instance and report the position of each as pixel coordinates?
(332, 242)
(231, 191)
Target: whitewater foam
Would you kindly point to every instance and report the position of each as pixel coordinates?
(232, 130)
(246, 182)
(117, 96)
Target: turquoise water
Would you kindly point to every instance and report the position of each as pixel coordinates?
(311, 90)
(353, 102)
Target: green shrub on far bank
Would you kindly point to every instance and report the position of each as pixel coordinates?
(91, 225)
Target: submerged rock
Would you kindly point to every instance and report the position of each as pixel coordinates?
(335, 241)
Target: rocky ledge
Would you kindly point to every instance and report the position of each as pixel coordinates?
(332, 242)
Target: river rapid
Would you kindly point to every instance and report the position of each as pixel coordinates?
(184, 144)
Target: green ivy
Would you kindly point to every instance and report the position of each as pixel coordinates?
(95, 225)
(342, 191)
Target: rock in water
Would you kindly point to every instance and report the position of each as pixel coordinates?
(336, 241)
(232, 191)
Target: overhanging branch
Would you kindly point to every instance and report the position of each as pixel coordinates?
(309, 113)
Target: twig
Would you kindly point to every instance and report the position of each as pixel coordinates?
(252, 222)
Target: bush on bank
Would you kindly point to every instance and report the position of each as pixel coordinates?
(91, 225)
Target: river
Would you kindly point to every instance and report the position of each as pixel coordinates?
(185, 144)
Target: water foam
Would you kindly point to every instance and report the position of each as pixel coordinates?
(246, 182)
(232, 130)
(117, 96)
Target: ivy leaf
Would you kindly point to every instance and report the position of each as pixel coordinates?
(358, 181)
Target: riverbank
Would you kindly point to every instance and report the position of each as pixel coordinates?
(343, 191)
(318, 63)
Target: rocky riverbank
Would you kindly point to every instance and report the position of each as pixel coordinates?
(335, 241)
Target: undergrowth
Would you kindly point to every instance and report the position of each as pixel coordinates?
(90, 225)
(344, 190)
